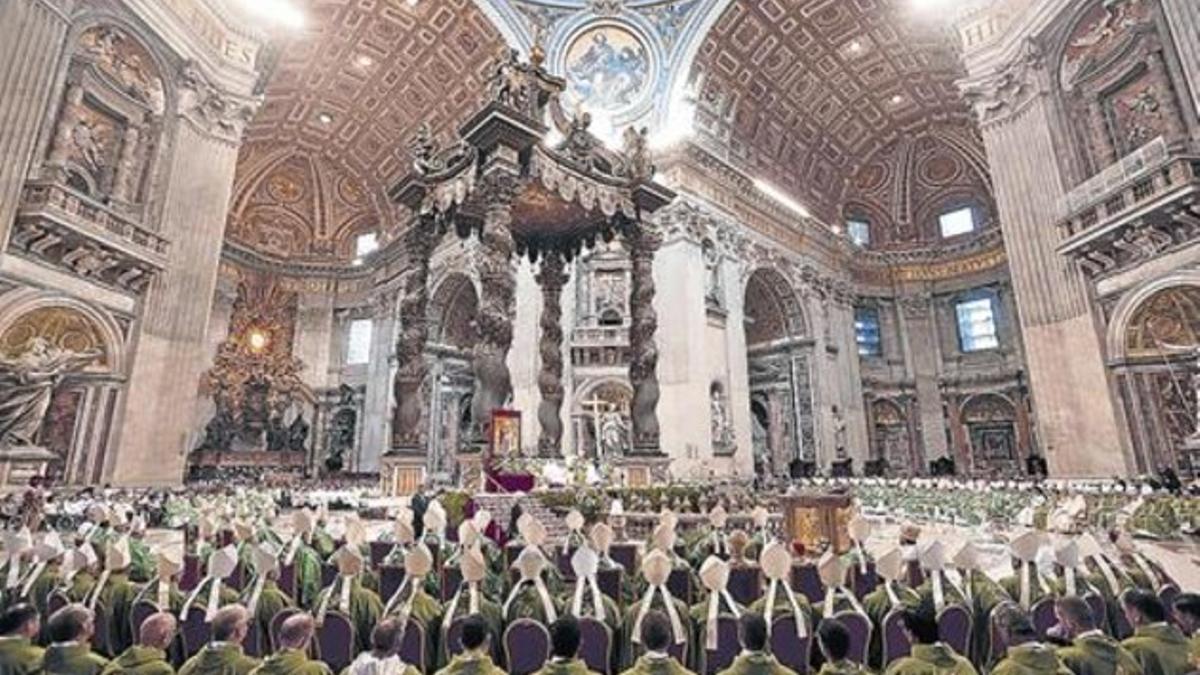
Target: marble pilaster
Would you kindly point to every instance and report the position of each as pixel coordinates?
(1183, 17)
(32, 39)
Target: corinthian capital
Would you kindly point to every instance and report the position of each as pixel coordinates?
(212, 109)
(1009, 86)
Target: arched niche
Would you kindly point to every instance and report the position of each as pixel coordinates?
(453, 307)
(601, 409)
(82, 403)
(779, 357)
(1154, 344)
(891, 437)
(990, 421)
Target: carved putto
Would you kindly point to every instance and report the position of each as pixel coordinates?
(125, 62)
(636, 164)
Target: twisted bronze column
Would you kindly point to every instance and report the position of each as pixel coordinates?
(551, 278)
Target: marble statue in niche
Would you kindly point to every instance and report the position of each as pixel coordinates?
(614, 433)
(722, 426)
(713, 291)
(839, 432)
(27, 384)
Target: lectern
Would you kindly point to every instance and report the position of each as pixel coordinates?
(814, 519)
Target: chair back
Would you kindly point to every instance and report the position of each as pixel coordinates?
(239, 578)
(255, 643)
(452, 638)
(790, 649)
(1167, 594)
(55, 602)
(277, 623)
(610, 582)
(1099, 609)
(1043, 616)
(391, 577)
(997, 636)
(379, 551)
(563, 561)
(895, 641)
(195, 630)
(451, 580)
(193, 572)
(336, 643)
(859, 627)
(954, 628)
(745, 584)
(717, 660)
(413, 645)
(138, 614)
(596, 645)
(806, 580)
(511, 552)
(624, 554)
(862, 583)
(526, 646)
(287, 580)
(329, 574)
(680, 584)
(102, 635)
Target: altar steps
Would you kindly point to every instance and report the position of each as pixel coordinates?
(500, 506)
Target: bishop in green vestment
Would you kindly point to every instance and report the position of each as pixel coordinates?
(18, 654)
(655, 635)
(149, 656)
(754, 659)
(412, 602)
(1159, 647)
(70, 653)
(224, 655)
(348, 595)
(929, 656)
(295, 636)
(474, 659)
(656, 569)
(114, 595)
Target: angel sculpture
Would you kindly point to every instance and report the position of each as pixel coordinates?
(27, 385)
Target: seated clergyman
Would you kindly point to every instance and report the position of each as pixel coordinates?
(149, 655)
(1027, 654)
(1159, 647)
(384, 657)
(834, 642)
(657, 636)
(295, 637)
(1187, 614)
(476, 643)
(929, 656)
(754, 659)
(564, 649)
(223, 655)
(70, 651)
(1090, 651)
(19, 627)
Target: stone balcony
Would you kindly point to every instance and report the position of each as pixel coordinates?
(1145, 206)
(600, 346)
(57, 226)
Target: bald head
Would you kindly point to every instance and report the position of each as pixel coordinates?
(296, 632)
(230, 624)
(157, 631)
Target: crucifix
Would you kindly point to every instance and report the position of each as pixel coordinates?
(595, 407)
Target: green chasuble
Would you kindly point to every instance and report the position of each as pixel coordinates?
(142, 567)
(149, 593)
(427, 611)
(1012, 586)
(323, 544)
(557, 666)
(934, 659)
(18, 656)
(1031, 658)
(364, 610)
(698, 618)
(72, 658)
(984, 594)
(843, 667)
(1095, 653)
(270, 601)
(219, 658)
(878, 604)
(43, 586)
(612, 613)
(307, 564)
(1161, 649)
(116, 599)
(81, 586)
(1194, 650)
(471, 663)
(291, 662)
(657, 664)
(138, 660)
(756, 663)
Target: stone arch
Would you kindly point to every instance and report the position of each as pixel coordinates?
(772, 310)
(1133, 308)
(452, 309)
(991, 423)
(67, 322)
(891, 436)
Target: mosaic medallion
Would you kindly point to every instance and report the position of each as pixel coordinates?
(608, 68)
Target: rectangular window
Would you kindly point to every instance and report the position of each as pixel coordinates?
(958, 221)
(358, 342)
(859, 232)
(977, 324)
(866, 331)
(365, 244)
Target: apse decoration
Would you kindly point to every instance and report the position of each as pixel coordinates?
(608, 67)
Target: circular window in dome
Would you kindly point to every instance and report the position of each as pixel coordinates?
(608, 68)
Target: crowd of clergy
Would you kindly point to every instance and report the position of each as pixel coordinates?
(251, 592)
